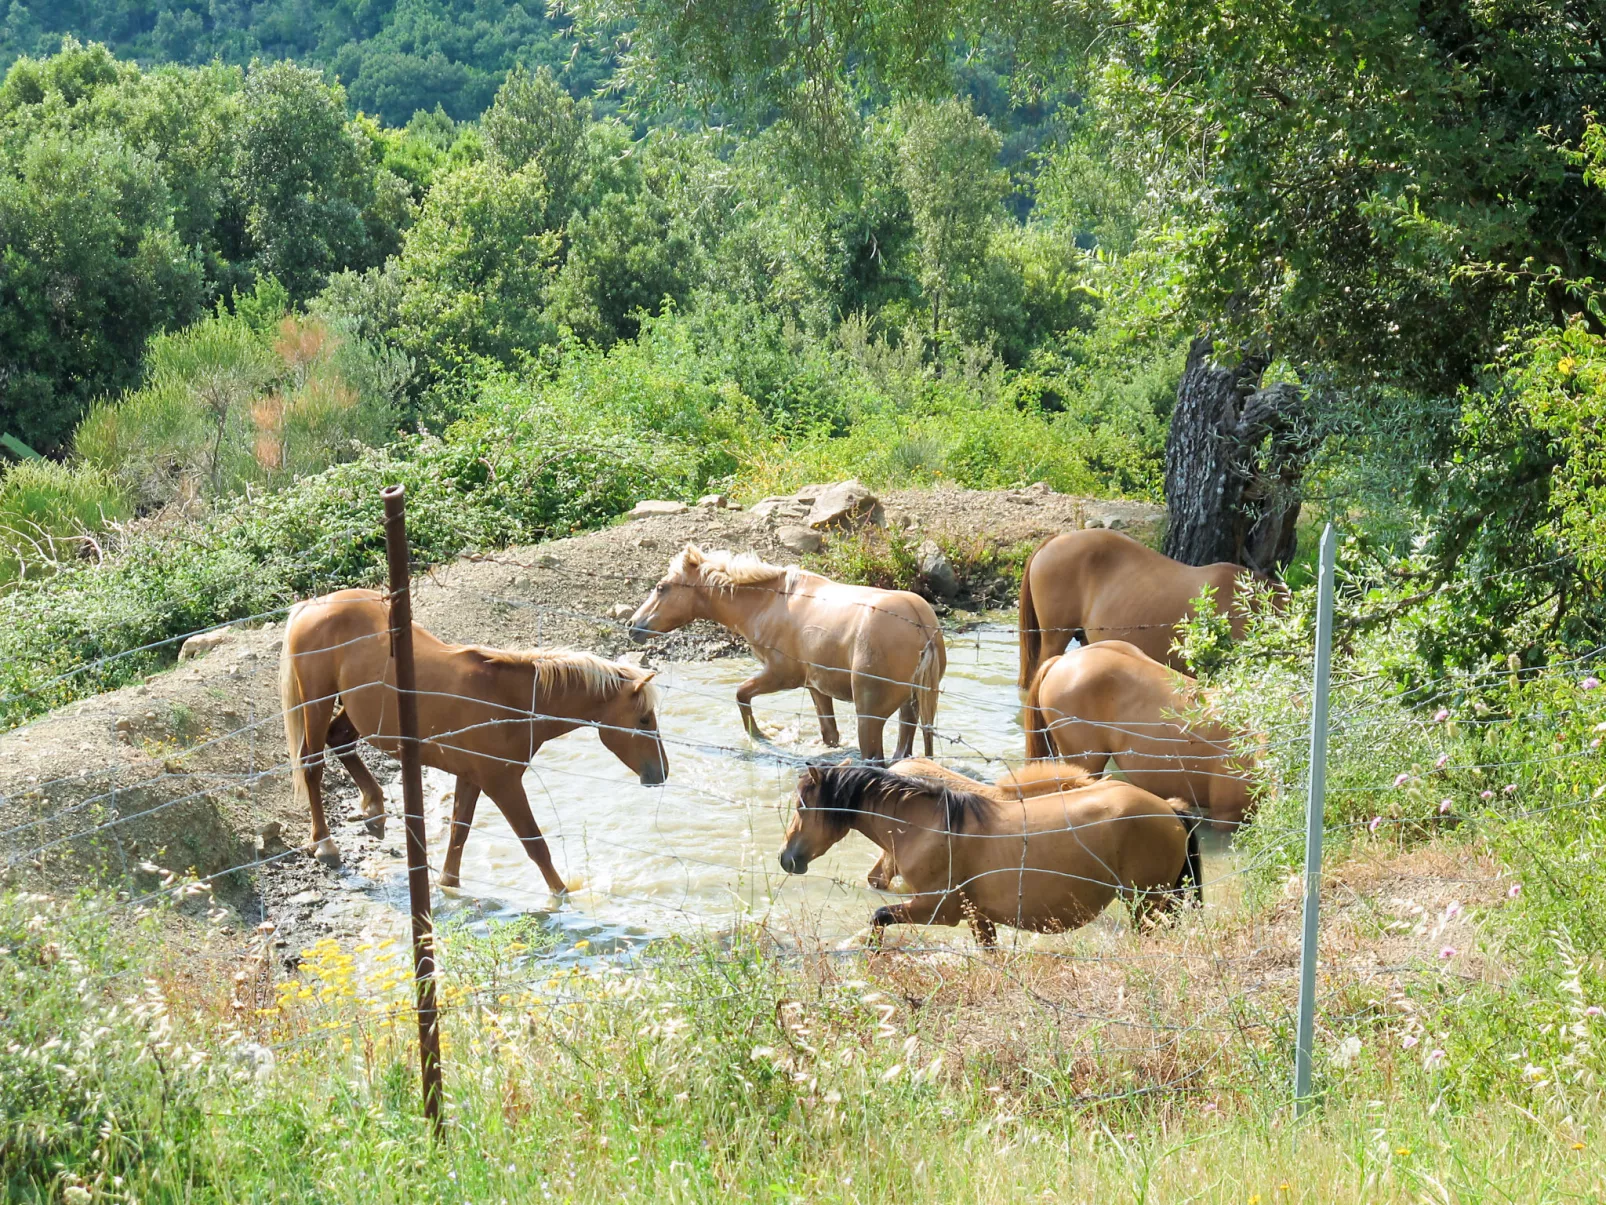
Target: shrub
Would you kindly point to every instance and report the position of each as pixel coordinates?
(50, 514)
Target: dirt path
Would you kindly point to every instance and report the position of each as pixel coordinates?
(186, 772)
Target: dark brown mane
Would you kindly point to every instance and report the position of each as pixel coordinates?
(843, 789)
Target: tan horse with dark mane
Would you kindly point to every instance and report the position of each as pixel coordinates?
(1111, 700)
(1101, 585)
(1031, 780)
(482, 715)
(1050, 863)
(881, 650)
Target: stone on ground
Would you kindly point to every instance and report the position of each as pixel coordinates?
(654, 507)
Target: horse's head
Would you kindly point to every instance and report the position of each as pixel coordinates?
(673, 601)
(628, 726)
(818, 822)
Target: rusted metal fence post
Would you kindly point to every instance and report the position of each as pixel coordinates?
(398, 559)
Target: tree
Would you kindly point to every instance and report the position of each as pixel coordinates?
(535, 121)
(947, 165)
(89, 267)
(303, 179)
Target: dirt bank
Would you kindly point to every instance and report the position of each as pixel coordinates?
(186, 772)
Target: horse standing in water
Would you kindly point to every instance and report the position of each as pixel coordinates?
(1049, 863)
(482, 715)
(1101, 585)
(882, 650)
(1110, 700)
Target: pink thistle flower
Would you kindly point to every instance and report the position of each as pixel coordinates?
(1372, 825)
(1408, 1041)
(1441, 715)
(1511, 788)
(1443, 760)
(1452, 910)
(1445, 805)
(1486, 795)
(1594, 1010)
(1447, 953)
(1436, 1058)
(1402, 780)
(1590, 683)
(1513, 891)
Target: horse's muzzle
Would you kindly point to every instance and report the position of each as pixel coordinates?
(793, 863)
(641, 635)
(653, 774)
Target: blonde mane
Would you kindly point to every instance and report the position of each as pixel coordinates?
(724, 570)
(571, 669)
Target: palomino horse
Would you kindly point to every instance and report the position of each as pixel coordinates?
(1031, 780)
(1049, 863)
(1102, 585)
(482, 714)
(880, 649)
(1111, 700)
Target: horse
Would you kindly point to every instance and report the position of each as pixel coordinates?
(1102, 585)
(882, 650)
(1049, 863)
(1031, 780)
(1112, 700)
(482, 715)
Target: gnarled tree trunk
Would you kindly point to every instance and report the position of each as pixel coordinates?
(1233, 461)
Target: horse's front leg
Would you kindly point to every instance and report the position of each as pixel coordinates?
(926, 908)
(343, 738)
(906, 732)
(825, 708)
(508, 795)
(464, 798)
(880, 876)
(767, 681)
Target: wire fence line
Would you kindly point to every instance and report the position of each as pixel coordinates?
(783, 761)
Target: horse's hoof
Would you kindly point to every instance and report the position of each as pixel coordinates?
(375, 826)
(327, 853)
(447, 880)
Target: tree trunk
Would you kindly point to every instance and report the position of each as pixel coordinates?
(1233, 461)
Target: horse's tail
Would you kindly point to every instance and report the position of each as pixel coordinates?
(1192, 865)
(1038, 745)
(927, 683)
(292, 701)
(1031, 639)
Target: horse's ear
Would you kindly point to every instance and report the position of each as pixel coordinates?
(812, 776)
(643, 680)
(691, 556)
(846, 761)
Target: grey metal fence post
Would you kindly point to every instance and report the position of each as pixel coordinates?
(1314, 808)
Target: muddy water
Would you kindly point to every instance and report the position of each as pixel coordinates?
(699, 853)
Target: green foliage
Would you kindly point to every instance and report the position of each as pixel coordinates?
(50, 514)
(257, 397)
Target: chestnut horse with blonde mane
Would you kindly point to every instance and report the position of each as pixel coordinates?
(1098, 585)
(1050, 863)
(482, 715)
(1111, 700)
(881, 650)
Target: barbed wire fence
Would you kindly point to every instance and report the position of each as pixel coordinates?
(1255, 1004)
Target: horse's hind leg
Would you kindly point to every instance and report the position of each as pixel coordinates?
(508, 795)
(343, 737)
(310, 757)
(906, 733)
(464, 799)
(825, 708)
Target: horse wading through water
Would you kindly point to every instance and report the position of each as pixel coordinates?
(1111, 700)
(1050, 863)
(882, 650)
(482, 715)
(1101, 585)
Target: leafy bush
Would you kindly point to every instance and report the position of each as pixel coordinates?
(50, 513)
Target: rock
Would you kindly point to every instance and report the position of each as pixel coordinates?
(646, 542)
(714, 501)
(304, 897)
(782, 508)
(1020, 499)
(1040, 488)
(846, 504)
(652, 508)
(201, 645)
(622, 611)
(545, 560)
(124, 724)
(800, 539)
(936, 570)
(734, 506)
(270, 839)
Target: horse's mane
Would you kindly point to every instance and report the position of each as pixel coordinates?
(724, 569)
(571, 669)
(843, 788)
